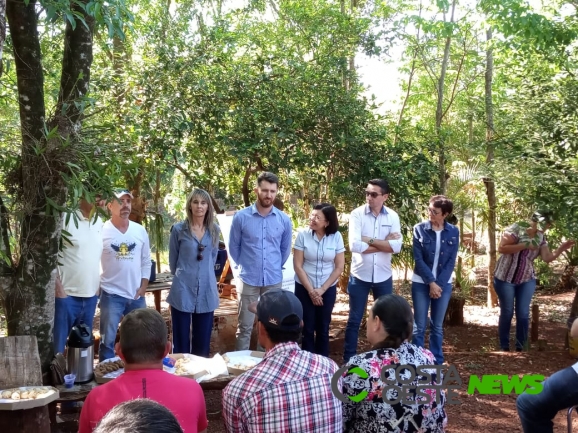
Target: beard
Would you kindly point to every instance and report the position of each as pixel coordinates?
(266, 203)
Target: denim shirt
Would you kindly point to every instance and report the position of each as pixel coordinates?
(194, 287)
(424, 248)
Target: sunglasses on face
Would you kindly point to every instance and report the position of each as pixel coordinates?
(200, 253)
(372, 194)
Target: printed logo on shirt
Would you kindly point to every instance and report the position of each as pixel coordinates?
(123, 250)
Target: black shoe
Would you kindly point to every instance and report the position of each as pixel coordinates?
(519, 349)
(505, 350)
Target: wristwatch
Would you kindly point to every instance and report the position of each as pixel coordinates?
(371, 241)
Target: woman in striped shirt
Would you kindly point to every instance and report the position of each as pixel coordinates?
(514, 278)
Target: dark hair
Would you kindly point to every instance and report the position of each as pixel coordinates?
(452, 219)
(268, 177)
(330, 214)
(397, 319)
(143, 336)
(382, 183)
(443, 203)
(543, 215)
(277, 336)
(139, 416)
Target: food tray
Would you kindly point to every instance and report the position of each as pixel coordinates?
(108, 376)
(242, 361)
(47, 394)
(196, 374)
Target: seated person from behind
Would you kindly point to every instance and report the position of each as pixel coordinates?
(143, 345)
(139, 416)
(290, 389)
(389, 326)
(560, 391)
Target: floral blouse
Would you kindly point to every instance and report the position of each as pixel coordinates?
(372, 414)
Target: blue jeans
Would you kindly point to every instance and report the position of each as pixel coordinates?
(112, 309)
(316, 320)
(358, 293)
(536, 411)
(507, 293)
(68, 312)
(421, 303)
(196, 340)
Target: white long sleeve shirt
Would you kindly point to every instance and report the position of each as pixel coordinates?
(126, 259)
(374, 267)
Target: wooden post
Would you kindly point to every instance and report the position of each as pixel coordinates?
(21, 367)
(535, 322)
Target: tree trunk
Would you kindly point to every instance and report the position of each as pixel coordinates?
(138, 207)
(28, 290)
(492, 298)
(455, 311)
(156, 199)
(474, 249)
(567, 282)
(573, 308)
(248, 173)
(2, 32)
(439, 108)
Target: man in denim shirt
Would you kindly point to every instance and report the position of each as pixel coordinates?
(260, 243)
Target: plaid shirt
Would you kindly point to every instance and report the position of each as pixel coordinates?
(289, 391)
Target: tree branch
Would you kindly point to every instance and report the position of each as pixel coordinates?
(76, 63)
(456, 81)
(2, 31)
(191, 179)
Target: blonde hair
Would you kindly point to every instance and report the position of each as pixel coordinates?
(209, 221)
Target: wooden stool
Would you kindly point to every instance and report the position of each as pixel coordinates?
(21, 367)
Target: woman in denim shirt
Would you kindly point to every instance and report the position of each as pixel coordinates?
(194, 297)
(435, 248)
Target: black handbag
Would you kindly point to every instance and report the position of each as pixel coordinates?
(57, 369)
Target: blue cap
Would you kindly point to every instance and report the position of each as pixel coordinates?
(279, 309)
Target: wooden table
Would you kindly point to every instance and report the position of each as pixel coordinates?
(76, 393)
(163, 281)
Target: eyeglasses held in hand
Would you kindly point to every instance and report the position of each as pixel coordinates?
(200, 253)
(372, 194)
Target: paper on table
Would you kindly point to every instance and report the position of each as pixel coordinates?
(215, 366)
(242, 358)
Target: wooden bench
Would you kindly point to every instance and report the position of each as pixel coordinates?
(21, 367)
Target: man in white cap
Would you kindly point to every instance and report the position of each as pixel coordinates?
(290, 389)
(126, 269)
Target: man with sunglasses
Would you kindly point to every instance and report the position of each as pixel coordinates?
(374, 235)
(126, 269)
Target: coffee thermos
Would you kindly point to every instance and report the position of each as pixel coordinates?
(80, 356)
